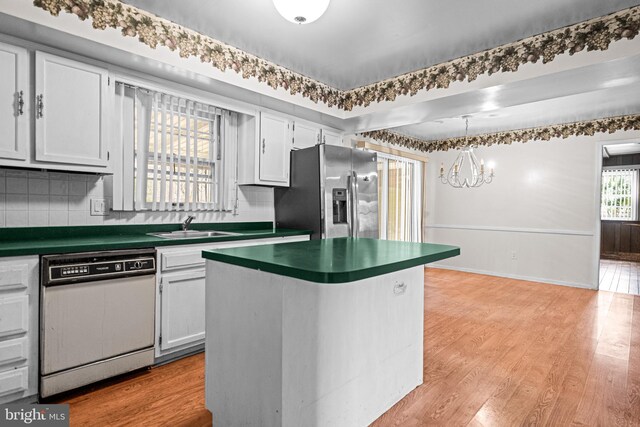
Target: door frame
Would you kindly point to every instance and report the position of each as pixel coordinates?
(598, 202)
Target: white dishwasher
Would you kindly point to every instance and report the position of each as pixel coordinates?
(97, 316)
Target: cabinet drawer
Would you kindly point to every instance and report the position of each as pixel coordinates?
(14, 381)
(14, 315)
(13, 277)
(13, 352)
(187, 258)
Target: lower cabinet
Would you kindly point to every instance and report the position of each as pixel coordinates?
(19, 301)
(180, 296)
(182, 309)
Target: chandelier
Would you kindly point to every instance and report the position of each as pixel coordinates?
(301, 11)
(466, 171)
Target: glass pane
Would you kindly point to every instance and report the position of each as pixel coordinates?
(618, 199)
(398, 214)
(396, 209)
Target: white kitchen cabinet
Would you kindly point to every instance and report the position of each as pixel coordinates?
(14, 106)
(70, 114)
(264, 145)
(180, 296)
(274, 149)
(182, 309)
(331, 138)
(305, 135)
(19, 302)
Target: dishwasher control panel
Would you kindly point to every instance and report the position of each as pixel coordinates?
(60, 269)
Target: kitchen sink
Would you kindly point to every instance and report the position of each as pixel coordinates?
(192, 234)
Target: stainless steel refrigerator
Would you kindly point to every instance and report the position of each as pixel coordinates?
(333, 191)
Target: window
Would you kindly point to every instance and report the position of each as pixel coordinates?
(178, 153)
(400, 198)
(619, 199)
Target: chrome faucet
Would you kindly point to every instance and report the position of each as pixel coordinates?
(187, 222)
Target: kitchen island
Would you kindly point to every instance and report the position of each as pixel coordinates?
(315, 333)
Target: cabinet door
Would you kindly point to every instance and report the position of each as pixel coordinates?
(14, 93)
(274, 149)
(71, 109)
(305, 136)
(331, 138)
(182, 309)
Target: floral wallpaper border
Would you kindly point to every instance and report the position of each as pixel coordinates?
(594, 34)
(544, 133)
(153, 31)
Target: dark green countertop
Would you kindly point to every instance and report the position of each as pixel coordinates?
(55, 240)
(334, 260)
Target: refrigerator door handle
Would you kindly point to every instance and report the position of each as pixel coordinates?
(350, 205)
(356, 202)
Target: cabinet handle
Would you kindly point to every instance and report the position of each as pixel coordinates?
(40, 104)
(263, 145)
(20, 103)
(324, 139)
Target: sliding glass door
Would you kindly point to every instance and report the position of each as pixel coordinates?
(400, 198)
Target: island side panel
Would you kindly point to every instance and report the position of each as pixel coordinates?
(243, 346)
(286, 352)
(351, 350)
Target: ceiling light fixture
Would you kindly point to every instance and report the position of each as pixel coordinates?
(301, 11)
(466, 171)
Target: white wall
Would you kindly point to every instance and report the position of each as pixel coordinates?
(541, 209)
(29, 198)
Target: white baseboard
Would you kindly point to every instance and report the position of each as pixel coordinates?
(515, 276)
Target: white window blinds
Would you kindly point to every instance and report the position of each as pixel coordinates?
(619, 194)
(178, 154)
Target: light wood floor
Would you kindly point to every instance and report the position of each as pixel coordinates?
(498, 352)
(620, 276)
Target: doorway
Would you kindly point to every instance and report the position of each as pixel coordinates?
(620, 218)
(399, 198)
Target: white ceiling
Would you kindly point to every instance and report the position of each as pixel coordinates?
(358, 42)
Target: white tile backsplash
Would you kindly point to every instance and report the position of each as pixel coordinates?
(17, 185)
(38, 203)
(78, 203)
(58, 218)
(17, 218)
(38, 218)
(16, 202)
(59, 187)
(35, 198)
(58, 203)
(77, 188)
(38, 186)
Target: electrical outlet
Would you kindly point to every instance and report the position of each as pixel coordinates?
(99, 207)
(514, 256)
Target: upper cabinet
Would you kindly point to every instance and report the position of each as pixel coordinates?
(14, 93)
(331, 137)
(305, 135)
(274, 149)
(70, 112)
(266, 141)
(264, 147)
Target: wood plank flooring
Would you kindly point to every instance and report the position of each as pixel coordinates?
(620, 276)
(498, 352)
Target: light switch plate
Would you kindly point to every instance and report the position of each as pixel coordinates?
(99, 207)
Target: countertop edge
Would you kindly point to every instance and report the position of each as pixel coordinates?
(329, 277)
(144, 242)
